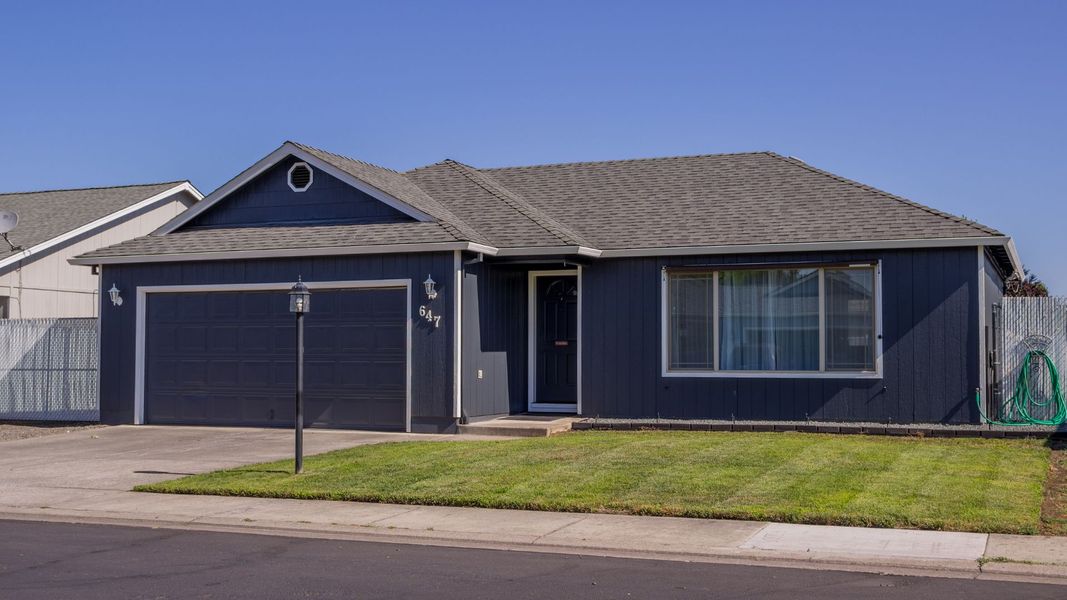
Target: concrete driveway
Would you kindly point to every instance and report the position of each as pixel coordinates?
(56, 469)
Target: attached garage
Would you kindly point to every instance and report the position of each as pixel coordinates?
(217, 356)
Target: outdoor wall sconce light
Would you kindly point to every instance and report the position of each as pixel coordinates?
(116, 299)
(430, 284)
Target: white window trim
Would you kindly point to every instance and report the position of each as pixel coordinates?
(142, 306)
(289, 177)
(665, 334)
(531, 353)
(457, 337)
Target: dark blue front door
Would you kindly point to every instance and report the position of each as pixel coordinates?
(228, 358)
(557, 340)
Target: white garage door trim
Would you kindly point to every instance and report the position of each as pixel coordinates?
(142, 304)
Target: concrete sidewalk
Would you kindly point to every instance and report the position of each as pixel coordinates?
(85, 477)
(848, 548)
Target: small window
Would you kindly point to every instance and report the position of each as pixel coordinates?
(850, 320)
(791, 320)
(300, 177)
(692, 321)
(5, 307)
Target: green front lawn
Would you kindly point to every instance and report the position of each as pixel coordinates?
(957, 484)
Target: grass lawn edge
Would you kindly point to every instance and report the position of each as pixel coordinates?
(195, 485)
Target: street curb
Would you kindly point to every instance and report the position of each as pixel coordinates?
(959, 569)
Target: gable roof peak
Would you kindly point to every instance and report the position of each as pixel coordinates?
(315, 150)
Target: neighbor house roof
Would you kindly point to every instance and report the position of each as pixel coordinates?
(688, 204)
(47, 217)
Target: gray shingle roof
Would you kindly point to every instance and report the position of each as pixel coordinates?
(502, 215)
(754, 198)
(400, 187)
(723, 200)
(48, 214)
(242, 239)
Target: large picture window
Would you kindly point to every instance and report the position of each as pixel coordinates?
(786, 320)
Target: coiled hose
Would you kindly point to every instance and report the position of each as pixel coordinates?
(1022, 402)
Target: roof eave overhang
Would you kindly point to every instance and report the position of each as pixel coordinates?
(284, 253)
(44, 247)
(990, 241)
(1013, 256)
(550, 251)
(285, 150)
(809, 247)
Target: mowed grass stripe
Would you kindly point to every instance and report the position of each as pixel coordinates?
(957, 484)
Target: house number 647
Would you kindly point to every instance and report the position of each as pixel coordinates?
(427, 313)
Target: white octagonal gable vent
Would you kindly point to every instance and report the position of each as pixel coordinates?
(300, 177)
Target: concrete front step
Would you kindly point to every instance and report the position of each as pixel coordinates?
(520, 426)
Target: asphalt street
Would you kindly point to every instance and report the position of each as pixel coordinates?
(52, 560)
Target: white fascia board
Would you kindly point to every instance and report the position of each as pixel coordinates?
(548, 250)
(286, 253)
(809, 247)
(288, 149)
(482, 249)
(1013, 256)
(184, 186)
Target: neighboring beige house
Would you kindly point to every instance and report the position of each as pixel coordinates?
(36, 281)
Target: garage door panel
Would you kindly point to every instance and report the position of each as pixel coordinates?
(283, 373)
(192, 306)
(389, 339)
(260, 305)
(320, 374)
(190, 338)
(320, 339)
(165, 341)
(222, 338)
(224, 305)
(192, 371)
(255, 338)
(227, 358)
(355, 413)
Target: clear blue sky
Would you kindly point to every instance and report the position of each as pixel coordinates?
(960, 105)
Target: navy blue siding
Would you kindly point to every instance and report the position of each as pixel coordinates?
(930, 326)
(267, 200)
(431, 361)
(494, 340)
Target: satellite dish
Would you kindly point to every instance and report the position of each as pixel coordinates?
(8, 220)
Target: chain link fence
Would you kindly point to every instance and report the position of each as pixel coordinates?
(49, 369)
(1026, 324)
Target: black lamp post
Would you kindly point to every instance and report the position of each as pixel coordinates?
(299, 303)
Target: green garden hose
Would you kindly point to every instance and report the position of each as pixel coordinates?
(1022, 401)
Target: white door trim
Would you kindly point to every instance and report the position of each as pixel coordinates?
(531, 335)
(142, 304)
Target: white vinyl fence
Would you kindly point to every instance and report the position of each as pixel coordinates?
(1026, 324)
(49, 370)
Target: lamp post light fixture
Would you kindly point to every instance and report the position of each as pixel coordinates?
(116, 299)
(299, 304)
(430, 286)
